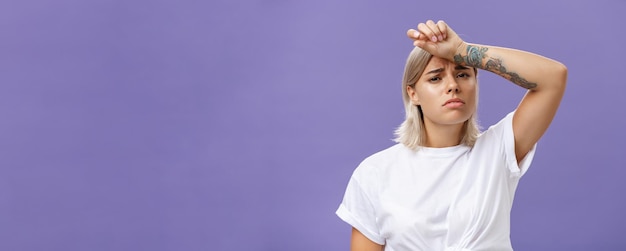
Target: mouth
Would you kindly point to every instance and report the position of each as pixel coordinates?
(454, 103)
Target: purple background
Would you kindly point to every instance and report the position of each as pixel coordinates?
(235, 125)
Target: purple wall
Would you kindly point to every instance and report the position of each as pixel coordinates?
(232, 125)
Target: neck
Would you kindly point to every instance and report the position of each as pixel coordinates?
(439, 136)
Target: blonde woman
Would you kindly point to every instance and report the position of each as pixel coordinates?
(446, 185)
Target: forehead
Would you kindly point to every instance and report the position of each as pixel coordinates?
(436, 62)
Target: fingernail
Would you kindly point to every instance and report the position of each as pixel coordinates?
(434, 38)
(416, 34)
(440, 38)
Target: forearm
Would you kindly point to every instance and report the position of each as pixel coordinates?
(528, 70)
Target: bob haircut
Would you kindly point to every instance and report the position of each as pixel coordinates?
(412, 132)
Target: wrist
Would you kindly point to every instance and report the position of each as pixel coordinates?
(460, 53)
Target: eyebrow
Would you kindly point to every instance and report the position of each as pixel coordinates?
(435, 71)
(458, 67)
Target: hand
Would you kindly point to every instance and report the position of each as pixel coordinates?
(437, 39)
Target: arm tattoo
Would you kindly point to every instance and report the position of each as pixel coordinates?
(474, 58)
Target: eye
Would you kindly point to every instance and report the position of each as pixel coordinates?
(434, 79)
(463, 75)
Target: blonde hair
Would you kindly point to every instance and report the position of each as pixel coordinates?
(412, 132)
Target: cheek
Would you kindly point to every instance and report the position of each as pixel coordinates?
(430, 98)
(472, 94)
(468, 85)
(428, 92)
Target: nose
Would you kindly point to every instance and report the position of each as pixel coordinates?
(453, 86)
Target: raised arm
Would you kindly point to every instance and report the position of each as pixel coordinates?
(543, 77)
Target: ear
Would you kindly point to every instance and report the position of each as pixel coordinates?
(412, 95)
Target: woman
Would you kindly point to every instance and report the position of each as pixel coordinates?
(445, 185)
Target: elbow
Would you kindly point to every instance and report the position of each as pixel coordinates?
(555, 80)
(561, 71)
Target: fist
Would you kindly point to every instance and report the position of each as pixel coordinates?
(437, 39)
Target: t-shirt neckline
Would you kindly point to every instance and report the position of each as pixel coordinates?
(441, 151)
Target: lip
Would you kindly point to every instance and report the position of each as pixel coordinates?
(454, 101)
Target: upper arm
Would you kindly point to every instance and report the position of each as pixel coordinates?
(359, 242)
(537, 109)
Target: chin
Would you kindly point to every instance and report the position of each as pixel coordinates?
(454, 118)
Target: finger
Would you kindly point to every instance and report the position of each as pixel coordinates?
(425, 45)
(437, 33)
(413, 34)
(427, 32)
(419, 43)
(443, 27)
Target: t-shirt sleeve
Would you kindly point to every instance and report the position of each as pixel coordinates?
(505, 128)
(358, 210)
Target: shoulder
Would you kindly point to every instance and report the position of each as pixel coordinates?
(385, 155)
(497, 131)
(379, 161)
(498, 144)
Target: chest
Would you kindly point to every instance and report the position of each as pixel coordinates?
(417, 194)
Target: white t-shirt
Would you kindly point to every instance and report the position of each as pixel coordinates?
(453, 198)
